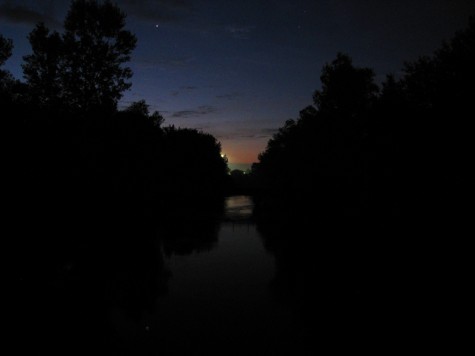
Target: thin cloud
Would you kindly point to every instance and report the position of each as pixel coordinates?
(249, 134)
(269, 131)
(167, 63)
(20, 14)
(154, 11)
(199, 111)
(157, 10)
(240, 32)
(229, 96)
(186, 88)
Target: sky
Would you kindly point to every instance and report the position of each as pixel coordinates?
(240, 69)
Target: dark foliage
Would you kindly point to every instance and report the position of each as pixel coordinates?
(398, 153)
(6, 79)
(84, 180)
(241, 183)
(82, 69)
(319, 159)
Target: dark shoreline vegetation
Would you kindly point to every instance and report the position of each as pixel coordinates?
(97, 196)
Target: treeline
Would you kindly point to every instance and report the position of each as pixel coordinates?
(396, 150)
(95, 195)
(72, 151)
(83, 176)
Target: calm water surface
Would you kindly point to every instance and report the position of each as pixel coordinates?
(199, 285)
(221, 297)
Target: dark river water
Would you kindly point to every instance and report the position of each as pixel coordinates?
(220, 299)
(213, 284)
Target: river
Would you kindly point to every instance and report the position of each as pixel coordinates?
(220, 299)
(198, 284)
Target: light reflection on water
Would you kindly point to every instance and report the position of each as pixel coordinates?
(222, 296)
(238, 207)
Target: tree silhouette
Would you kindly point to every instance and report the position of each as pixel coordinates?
(6, 47)
(320, 157)
(142, 109)
(427, 111)
(193, 166)
(346, 90)
(401, 152)
(42, 68)
(85, 66)
(96, 47)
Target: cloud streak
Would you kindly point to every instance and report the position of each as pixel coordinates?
(157, 10)
(186, 88)
(199, 111)
(240, 32)
(167, 63)
(20, 14)
(154, 11)
(229, 96)
(249, 134)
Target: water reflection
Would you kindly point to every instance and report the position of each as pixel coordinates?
(347, 286)
(198, 283)
(238, 208)
(90, 291)
(219, 299)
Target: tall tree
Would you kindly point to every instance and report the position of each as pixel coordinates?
(346, 90)
(42, 68)
(96, 48)
(6, 46)
(320, 157)
(142, 109)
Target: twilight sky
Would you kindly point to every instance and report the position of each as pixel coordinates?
(239, 69)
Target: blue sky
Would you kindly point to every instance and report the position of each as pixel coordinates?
(239, 69)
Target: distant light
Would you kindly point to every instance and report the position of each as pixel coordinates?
(156, 26)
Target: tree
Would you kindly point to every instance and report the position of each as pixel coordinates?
(84, 67)
(6, 46)
(320, 157)
(434, 103)
(142, 109)
(346, 90)
(95, 48)
(42, 68)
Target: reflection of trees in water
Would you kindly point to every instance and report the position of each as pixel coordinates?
(94, 289)
(343, 283)
(98, 287)
(189, 237)
(193, 228)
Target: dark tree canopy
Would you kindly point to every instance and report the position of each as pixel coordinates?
(346, 90)
(6, 46)
(319, 156)
(399, 152)
(96, 47)
(42, 68)
(84, 67)
(142, 109)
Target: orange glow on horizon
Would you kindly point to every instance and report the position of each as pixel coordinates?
(243, 151)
